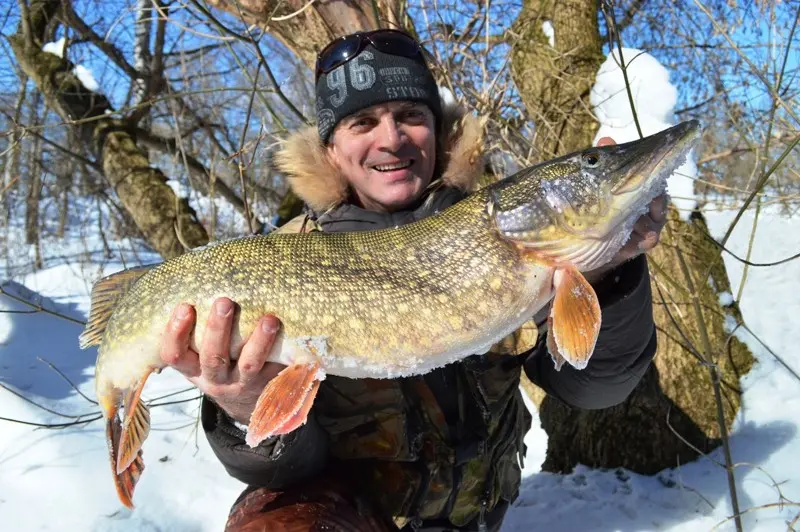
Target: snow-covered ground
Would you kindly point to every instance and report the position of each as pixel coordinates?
(60, 479)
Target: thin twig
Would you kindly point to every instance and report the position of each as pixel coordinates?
(37, 405)
(292, 15)
(72, 384)
(715, 381)
(40, 308)
(53, 425)
(753, 68)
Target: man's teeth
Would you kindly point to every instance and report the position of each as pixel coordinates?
(395, 166)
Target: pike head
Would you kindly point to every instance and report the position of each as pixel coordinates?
(581, 208)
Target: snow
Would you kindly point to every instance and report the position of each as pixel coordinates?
(654, 99)
(549, 32)
(83, 74)
(55, 48)
(86, 78)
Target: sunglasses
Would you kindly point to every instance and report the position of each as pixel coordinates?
(344, 49)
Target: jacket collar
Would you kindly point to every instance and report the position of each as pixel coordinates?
(303, 160)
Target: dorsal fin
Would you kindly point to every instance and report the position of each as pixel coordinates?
(105, 295)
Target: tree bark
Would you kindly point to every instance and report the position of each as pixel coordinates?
(306, 31)
(11, 168)
(676, 394)
(35, 183)
(554, 82)
(167, 222)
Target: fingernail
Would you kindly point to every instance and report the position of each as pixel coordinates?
(182, 312)
(224, 308)
(268, 326)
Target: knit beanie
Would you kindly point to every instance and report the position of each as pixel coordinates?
(373, 77)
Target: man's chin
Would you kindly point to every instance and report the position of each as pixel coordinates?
(402, 195)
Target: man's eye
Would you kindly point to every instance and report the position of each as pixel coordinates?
(414, 114)
(361, 122)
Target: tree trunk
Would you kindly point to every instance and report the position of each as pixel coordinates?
(35, 183)
(676, 392)
(11, 169)
(141, 50)
(306, 31)
(167, 222)
(554, 82)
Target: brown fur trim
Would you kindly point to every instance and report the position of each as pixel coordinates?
(303, 159)
(463, 154)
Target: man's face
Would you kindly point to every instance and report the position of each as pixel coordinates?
(387, 153)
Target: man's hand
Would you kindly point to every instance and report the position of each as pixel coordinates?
(645, 235)
(234, 385)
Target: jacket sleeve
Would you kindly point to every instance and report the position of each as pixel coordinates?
(625, 345)
(276, 462)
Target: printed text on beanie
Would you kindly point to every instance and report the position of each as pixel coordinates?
(370, 78)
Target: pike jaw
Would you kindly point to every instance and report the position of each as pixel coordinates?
(581, 208)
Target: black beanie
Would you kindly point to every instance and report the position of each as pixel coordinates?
(373, 77)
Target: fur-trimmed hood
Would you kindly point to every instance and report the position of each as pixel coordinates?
(304, 161)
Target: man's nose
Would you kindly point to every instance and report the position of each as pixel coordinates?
(390, 136)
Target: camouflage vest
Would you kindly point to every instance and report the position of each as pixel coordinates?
(418, 460)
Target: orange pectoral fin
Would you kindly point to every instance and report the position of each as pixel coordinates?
(285, 402)
(574, 321)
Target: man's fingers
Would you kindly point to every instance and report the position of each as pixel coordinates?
(658, 208)
(257, 348)
(175, 350)
(645, 225)
(606, 141)
(215, 359)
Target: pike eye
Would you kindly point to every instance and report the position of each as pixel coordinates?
(591, 160)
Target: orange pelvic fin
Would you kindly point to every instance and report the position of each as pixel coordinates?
(135, 427)
(124, 482)
(285, 402)
(574, 321)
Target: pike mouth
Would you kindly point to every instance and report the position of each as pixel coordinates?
(402, 165)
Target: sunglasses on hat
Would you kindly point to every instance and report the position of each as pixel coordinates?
(344, 49)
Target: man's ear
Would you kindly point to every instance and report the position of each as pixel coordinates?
(332, 154)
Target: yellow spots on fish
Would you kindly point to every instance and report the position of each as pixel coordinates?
(496, 283)
(455, 321)
(443, 298)
(402, 308)
(355, 324)
(327, 319)
(292, 314)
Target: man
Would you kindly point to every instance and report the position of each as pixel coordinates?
(435, 452)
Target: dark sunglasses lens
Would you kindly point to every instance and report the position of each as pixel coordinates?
(338, 53)
(395, 43)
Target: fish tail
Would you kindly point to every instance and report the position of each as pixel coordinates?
(125, 437)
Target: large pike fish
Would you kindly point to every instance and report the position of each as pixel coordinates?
(387, 303)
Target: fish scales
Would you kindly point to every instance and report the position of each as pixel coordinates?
(379, 297)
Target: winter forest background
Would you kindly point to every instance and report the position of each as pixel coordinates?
(132, 130)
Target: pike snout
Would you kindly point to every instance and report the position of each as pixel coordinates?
(581, 208)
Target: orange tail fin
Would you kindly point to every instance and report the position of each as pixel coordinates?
(285, 402)
(135, 427)
(125, 481)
